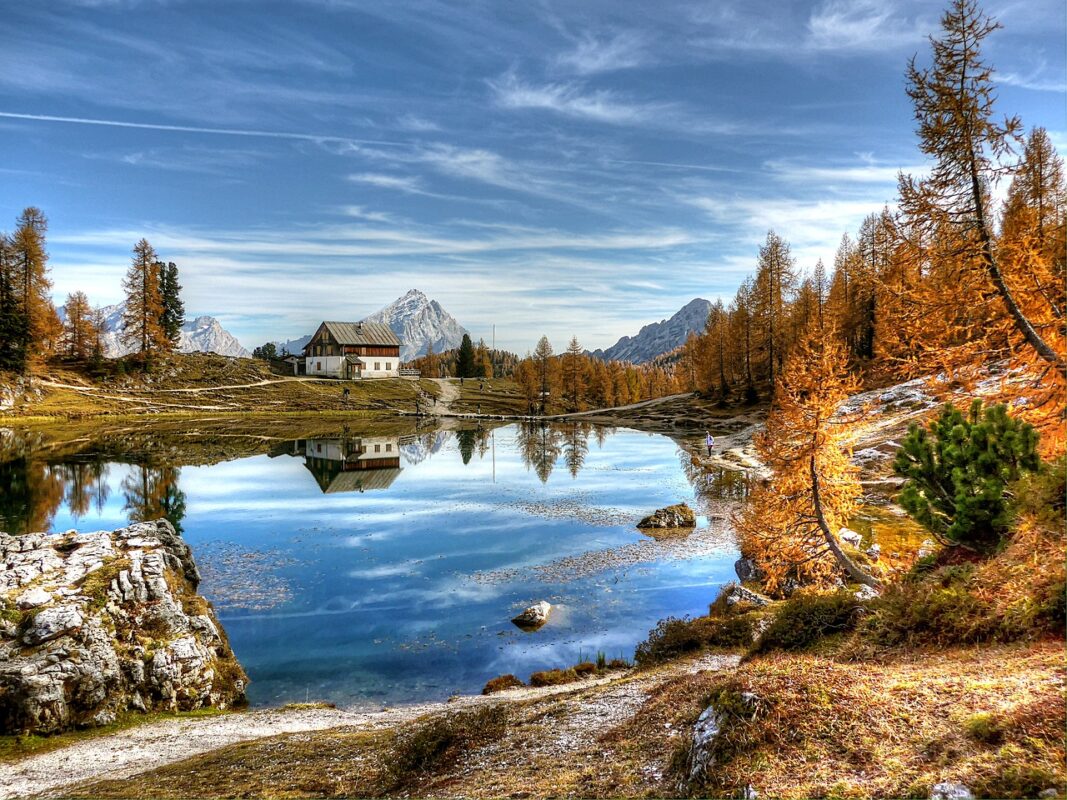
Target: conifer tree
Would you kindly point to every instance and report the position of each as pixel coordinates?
(173, 316)
(465, 365)
(31, 283)
(958, 471)
(483, 364)
(13, 325)
(775, 284)
(573, 377)
(79, 334)
(954, 102)
(144, 305)
(789, 525)
(542, 359)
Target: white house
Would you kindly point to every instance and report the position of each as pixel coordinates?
(353, 350)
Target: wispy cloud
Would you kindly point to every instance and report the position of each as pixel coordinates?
(871, 25)
(1038, 79)
(572, 100)
(592, 55)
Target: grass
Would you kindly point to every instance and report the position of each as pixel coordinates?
(805, 619)
(14, 748)
(501, 683)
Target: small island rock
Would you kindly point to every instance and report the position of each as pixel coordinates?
(677, 516)
(535, 616)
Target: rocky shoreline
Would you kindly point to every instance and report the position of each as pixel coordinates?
(96, 625)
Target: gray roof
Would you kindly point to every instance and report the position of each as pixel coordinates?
(362, 480)
(362, 333)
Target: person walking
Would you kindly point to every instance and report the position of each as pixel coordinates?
(709, 441)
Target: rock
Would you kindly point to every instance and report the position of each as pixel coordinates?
(866, 593)
(1048, 794)
(874, 552)
(676, 516)
(52, 622)
(33, 598)
(104, 630)
(750, 793)
(534, 617)
(705, 735)
(850, 537)
(735, 593)
(927, 548)
(747, 570)
(950, 791)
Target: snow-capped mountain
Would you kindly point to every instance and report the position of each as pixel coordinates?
(418, 322)
(203, 334)
(660, 337)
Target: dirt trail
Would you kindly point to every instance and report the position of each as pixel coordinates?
(643, 404)
(448, 395)
(130, 752)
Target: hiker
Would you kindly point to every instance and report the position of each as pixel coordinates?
(435, 401)
(481, 386)
(709, 441)
(344, 395)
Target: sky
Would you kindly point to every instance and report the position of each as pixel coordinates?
(561, 168)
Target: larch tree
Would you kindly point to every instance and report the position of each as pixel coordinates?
(574, 374)
(775, 284)
(789, 526)
(994, 311)
(142, 330)
(31, 283)
(543, 362)
(79, 334)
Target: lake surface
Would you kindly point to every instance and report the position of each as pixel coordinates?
(373, 570)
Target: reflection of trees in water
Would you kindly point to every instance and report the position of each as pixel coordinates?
(540, 446)
(466, 441)
(32, 493)
(576, 447)
(715, 483)
(152, 492)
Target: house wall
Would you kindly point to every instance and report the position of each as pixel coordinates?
(333, 366)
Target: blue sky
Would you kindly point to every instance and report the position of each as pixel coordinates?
(548, 167)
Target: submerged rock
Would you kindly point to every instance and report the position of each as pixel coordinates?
(534, 617)
(849, 536)
(105, 622)
(677, 516)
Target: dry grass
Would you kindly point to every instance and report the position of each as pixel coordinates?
(833, 729)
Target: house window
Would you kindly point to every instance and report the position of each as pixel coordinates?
(377, 366)
(377, 448)
(388, 448)
(318, 365)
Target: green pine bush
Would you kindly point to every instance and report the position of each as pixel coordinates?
(957, 472)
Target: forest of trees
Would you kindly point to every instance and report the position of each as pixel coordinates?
(31, 329)
(950, 286)
(482, 362)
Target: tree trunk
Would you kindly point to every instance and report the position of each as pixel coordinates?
(854, 572)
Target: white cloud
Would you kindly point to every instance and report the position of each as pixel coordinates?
(572, 100)
(592, 55)
(839, 25)
(400, 183)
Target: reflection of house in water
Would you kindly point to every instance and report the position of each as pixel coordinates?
(352, 464)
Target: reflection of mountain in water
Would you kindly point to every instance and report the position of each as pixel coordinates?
(352, 464)
(418, 448)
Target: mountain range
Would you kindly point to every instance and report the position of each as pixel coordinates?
(417, 321)
(202, 334)
(661, 337)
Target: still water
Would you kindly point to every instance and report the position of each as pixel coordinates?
(373, 570)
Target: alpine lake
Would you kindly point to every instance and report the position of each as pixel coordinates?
(370, 564)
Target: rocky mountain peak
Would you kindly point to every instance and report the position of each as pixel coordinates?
(661, 337)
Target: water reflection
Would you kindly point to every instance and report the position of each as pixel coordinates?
(351, 464)
(368, 566)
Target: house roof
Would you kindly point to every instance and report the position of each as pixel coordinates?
(361, 480)
(362, 333)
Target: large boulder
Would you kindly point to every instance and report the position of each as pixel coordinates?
(850, 537)
(97, 624)
(677, 516)
(747, 571)
(735, 593)
(708, 728)
(534, 617)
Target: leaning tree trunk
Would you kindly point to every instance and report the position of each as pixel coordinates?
(850, 566)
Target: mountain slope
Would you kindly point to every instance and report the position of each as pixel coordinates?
(661, 337)
(203, 334)
(419, 322)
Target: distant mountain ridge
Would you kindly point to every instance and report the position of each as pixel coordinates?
(661, 337)
(203, 334)
(417, 321)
